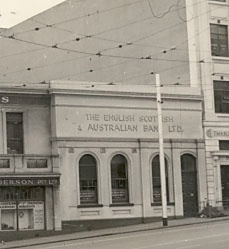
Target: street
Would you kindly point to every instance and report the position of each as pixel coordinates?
(214, 235)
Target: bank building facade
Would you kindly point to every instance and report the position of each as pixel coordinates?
(107, 140)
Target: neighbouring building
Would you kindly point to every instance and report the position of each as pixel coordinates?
(213, 52)
(29, 171)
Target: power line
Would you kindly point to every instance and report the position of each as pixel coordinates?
(127, 43)
(98, 54)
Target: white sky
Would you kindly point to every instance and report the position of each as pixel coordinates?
(16, 11)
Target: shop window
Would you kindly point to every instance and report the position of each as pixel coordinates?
(22, 207)
(14, 127)
(4, 163)
(88, 180)
(36, 163)
(219, 40)
(21, 193)
(221, 96)
(156, 179)
(224, 144)
(119, 179)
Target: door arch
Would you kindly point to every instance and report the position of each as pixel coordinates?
(189, 185)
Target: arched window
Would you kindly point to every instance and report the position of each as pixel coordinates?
(156, 179)
(119, 179)
(88, 180)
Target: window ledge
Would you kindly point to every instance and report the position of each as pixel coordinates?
(219, 3)
(121, 205)
(220, 58)
(90, 206)
(160, 204)
(222, 115)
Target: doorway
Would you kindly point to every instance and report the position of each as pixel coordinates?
(225, 185)
(189, 185)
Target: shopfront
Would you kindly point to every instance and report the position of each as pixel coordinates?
(23, 202)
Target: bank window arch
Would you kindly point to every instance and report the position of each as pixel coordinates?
(88, 180)
(119, 179)
(156, 180)
(188, 163)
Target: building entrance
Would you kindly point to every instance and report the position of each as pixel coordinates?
(22, 208)
(225, 185)
(189, 185)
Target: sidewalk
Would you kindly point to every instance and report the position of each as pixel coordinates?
(105, 232)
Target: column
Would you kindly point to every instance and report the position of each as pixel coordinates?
(178, 195)
(57, 208)
(202, 175)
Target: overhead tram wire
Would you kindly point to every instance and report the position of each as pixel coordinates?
(115, 28)
(91, 14)
(124, 43)
(136, 76)
(102, 55)
(133, 41)
(89, 54)
(96, 54)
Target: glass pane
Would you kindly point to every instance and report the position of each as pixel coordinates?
(224, 145)
(88, 180)
(14, 133)
(156, 179)
(119, 179)
(221, 96)
(219, 40)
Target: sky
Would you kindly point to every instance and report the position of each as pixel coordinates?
(13, 12)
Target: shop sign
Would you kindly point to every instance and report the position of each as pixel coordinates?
(85, 122)
(18, 99)
(215, 133)
(41, 181)
(8, 205)
(29, 204)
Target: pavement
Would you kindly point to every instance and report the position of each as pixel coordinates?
(26, 243)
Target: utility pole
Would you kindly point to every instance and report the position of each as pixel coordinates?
(161, 150)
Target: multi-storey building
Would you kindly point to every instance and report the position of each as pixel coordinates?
(29, 170)
(213, 53)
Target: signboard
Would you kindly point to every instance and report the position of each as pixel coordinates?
(104, 122)
(157, 194)
(119, 195)
(20, 99)
(88, 196)
(8, 205)
(217, 133)
(37, 215)
(29, 181)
